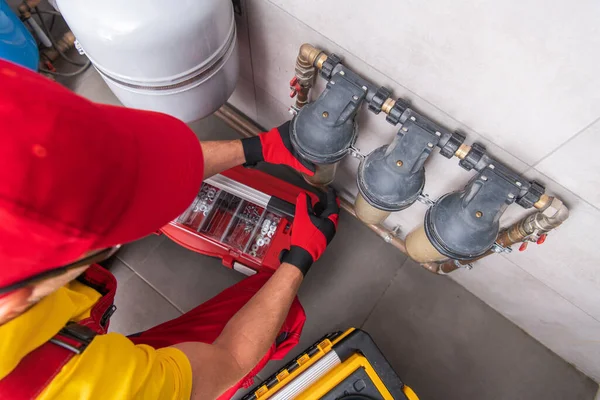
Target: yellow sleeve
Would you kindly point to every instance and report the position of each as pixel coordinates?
(113, 367)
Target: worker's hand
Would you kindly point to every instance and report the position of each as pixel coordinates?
(311, 233)
(275, 147)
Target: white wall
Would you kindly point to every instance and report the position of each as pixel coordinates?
(520, 77)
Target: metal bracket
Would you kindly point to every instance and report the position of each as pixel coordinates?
(354, 152)
(425, 199)
(498, 248)
(468, 266)
(293, 110)
(393, 233)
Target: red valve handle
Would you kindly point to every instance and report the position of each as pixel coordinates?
(542, 238)
(523, 246)
(295, 86)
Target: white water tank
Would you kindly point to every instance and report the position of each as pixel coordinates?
(177, 57)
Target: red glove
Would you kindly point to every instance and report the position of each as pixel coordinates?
(311, 233)
(275, 147)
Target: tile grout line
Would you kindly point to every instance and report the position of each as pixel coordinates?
(384, 292)
(151, 285)
(398, 83)
(585, 128)
(551, 288)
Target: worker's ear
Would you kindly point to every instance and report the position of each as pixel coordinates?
(14, 303)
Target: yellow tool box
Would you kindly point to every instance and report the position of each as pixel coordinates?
(342, 365)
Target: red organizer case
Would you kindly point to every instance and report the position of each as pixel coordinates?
(207, 243)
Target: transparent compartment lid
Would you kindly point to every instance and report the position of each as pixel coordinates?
(243, 226)
(257, 247)
(231, 220)
(200, 207)
(220, 217)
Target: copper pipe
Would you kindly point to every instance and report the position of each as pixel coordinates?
(238, 121)
(302, 96)
(248, 128)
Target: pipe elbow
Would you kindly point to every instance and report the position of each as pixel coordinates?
(24, 10)
(556, 212)
(561, 215)
(308, 54)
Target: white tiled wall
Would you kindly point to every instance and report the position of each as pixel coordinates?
(519, 77)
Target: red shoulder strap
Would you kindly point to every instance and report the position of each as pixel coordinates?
(34, 372)
(38, 368)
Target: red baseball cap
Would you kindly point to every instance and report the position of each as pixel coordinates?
(77, 176)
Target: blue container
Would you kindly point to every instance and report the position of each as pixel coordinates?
(16, 43)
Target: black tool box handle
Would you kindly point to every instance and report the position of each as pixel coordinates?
(360, 342)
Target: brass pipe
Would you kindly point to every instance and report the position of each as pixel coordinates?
(305, 72)
(248, 128)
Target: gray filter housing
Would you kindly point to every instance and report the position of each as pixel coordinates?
(452, 225)
(392, 177)
(386, 186)
(324, 130)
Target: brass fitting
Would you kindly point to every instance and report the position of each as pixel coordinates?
(550, 217)
(388, 105)
(320, 60)
(26, 6)
(308, 55)
(462, 151)
(305, 72)
(305, 68)
(24, 11)
(543, 202)
(66, 42)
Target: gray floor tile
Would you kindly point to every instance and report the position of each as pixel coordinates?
(139, 307)
(91, 86)
(447, 344)
(213, 128)
(135, 253)
(343, 286)
(186, 278)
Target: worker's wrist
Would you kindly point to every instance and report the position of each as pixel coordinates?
(292, 271)
(253, 152)
(299, 258)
